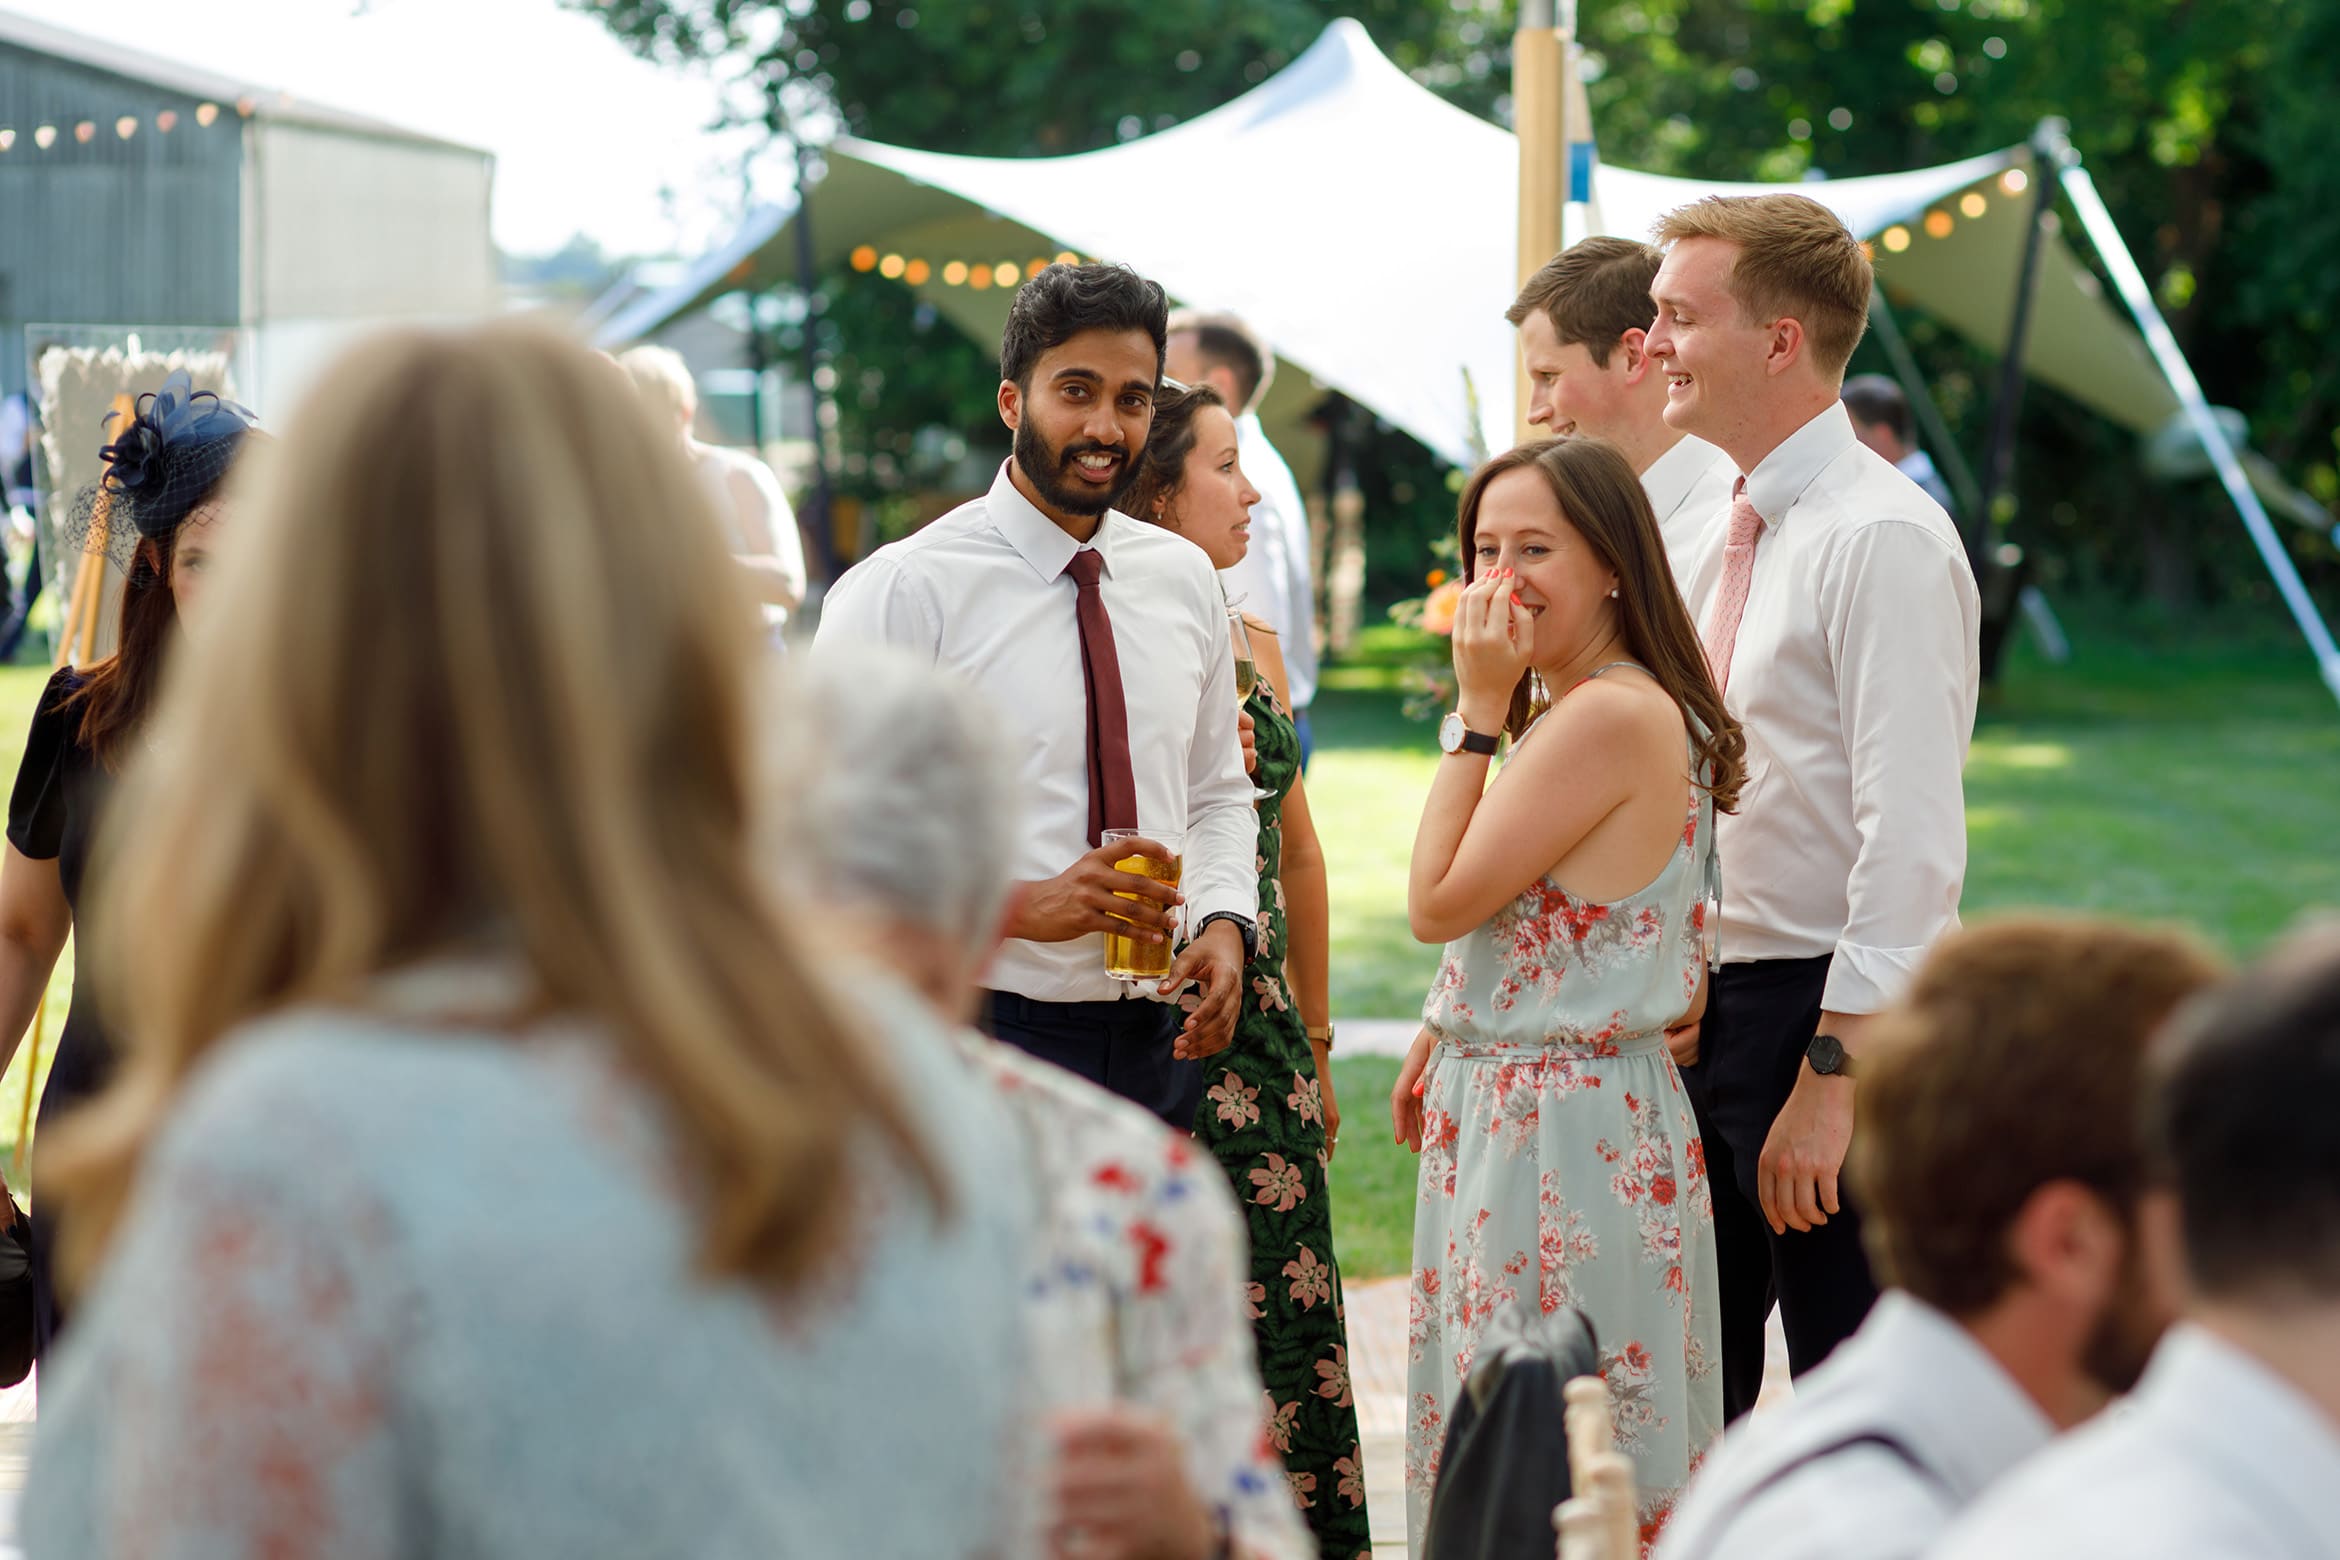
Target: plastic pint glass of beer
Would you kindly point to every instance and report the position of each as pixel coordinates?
(1127, 958)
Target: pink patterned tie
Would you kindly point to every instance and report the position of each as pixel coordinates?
(1721, 631)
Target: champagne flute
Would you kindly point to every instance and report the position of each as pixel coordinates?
(1246, 676)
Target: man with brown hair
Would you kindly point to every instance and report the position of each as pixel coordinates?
(1841, 621)
(2230, 1447)
(1583, 336)
(2002, 1167)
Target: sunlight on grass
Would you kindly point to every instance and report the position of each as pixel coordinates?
(1993, 754)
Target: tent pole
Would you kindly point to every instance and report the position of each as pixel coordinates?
(816, 526)
(1921, 401)
(1539, 120)
(2050, 144)
(2105, 235)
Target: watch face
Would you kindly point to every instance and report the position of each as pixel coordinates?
(1826, 1054)
(1450, 732)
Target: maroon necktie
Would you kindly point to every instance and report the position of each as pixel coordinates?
(1112, 789)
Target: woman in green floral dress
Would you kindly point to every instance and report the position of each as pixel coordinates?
(1268, 1112)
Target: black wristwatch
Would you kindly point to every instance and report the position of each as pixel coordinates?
(1243, 924)
(1827, 1055)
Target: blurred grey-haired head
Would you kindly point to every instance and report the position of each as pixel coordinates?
(897, 793)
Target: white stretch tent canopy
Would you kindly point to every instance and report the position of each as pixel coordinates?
(1366, 227)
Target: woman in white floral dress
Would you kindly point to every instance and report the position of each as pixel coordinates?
(1560, 1163)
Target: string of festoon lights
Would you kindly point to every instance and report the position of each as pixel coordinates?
(917, 271)
(205, 115)
(977, 274)
(1939, 223)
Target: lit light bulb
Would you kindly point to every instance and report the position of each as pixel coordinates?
(205, 113)
(891, 268)
(1974, 203)
(7, 139)
(85, 132)
(126, 126)
(1006, 274)
(1067, 257)
(2014, 181)
(916, 273)
(1896, 239)
(1939, 224)
(45, 137)
(979, 277)
(863, 258)
(167, 120)
(955, 274)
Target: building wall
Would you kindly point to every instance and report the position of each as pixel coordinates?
(351, 226)
(350, 232)
(111, 231)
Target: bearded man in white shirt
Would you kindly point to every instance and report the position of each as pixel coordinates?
(1275, 579)
(1841, 621)
(2002, 1166)
(1584, 339)
(1104, 642)
(2230, 1447)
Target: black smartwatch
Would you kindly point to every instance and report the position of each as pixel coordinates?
(1826, 1054)
(1243, 924)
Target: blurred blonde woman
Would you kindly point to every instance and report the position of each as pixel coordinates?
(489, 1174)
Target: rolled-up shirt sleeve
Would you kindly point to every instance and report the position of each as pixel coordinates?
(1903, 617)
(1222, 827)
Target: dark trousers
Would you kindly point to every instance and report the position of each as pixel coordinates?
(1122, 1047)
(20, 609)
(1307, 739)
(1759, 1018)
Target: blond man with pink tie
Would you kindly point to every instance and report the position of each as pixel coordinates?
(1840, 618)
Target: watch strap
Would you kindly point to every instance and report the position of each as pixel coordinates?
(1245, 927)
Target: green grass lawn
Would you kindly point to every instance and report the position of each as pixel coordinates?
(2164, 774)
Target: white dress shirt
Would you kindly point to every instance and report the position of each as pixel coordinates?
(1855, 677)
(1690, 488)
(1272, 581)
(983, 591)
(1785, 1486)
(1919, 467)
(2215, 1457)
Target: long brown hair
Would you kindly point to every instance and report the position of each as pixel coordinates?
(115, 692)
(1161, 465)
(1599, 494)
(479, 678)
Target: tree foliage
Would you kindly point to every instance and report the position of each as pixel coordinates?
(2196, 118)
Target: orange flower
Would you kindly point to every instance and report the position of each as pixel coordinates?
(1436, 578)
(1439, 609)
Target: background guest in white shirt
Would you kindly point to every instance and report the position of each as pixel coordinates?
(993, 590)
(1880, 414)
(756, 516)
(1841, 617)
(1583, 335)
(1275, 579)
(2231, 1446)
(2001, 1166)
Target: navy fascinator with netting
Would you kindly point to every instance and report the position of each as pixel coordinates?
(166, 460)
